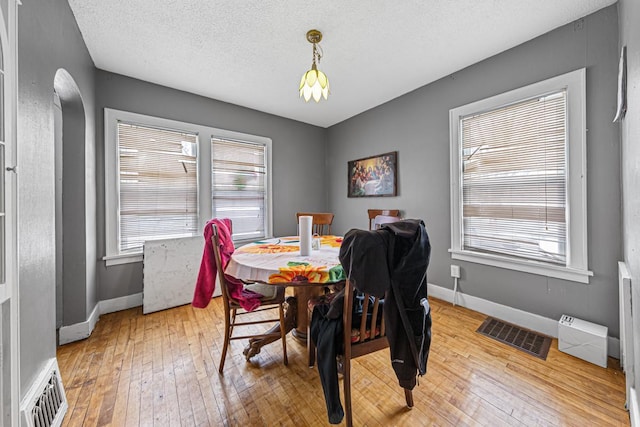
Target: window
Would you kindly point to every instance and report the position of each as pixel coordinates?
(158, 185)
(165, 179)
(518, 194)
(238, 172)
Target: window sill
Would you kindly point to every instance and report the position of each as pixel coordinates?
(242, 242)
(534, 267)
(137, 257)
(122, 259)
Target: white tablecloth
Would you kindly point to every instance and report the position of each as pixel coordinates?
(278, 260)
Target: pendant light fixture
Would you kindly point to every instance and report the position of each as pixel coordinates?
(314, 83)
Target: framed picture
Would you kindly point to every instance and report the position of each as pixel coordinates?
(373, 176)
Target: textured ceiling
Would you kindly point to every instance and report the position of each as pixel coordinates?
(253, 52)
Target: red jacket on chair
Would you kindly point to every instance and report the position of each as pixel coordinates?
(206, 282)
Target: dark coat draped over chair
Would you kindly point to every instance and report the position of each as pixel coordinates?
(404, 255)
(390, 262)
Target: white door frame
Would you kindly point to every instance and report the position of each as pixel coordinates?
(9, 292)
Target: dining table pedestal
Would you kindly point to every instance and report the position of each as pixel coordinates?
(296, 319)
(303, 295)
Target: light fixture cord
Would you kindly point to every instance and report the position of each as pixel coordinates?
(317, 53)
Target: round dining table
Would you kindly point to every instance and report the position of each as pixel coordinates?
(278, 262)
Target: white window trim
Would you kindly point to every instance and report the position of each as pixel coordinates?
(204, 135)
(576, 269)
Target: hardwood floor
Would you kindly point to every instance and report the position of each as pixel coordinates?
(160, 369)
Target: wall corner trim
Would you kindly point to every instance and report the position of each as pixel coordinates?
(79, 331)
(82, 330)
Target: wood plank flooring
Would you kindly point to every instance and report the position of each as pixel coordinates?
(160, 369)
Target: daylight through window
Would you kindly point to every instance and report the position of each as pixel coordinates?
(518, 179)
(158, 185)
(165, 179)
(514, 189)
(238, 178)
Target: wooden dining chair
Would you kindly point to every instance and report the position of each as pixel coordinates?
(373, 213)
(233, 311)
(384, 219)
(321, 222)
(360, 338)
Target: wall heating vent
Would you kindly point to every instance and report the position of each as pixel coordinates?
(46, 404)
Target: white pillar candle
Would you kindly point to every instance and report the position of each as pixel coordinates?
(305, 235)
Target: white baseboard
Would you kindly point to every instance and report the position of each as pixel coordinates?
(613, 347)
(82, 330)
(531, 321)
(632, 406)
(79, 331)
(122, 303)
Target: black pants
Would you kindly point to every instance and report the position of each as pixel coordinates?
(327, 335)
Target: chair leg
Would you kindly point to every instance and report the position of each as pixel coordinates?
(283, 335)
(347, 391)
(311, 348)
(408, 395)
(227, 338)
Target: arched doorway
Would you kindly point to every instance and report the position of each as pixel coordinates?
(70, 151)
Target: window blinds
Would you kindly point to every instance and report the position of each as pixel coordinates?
(514, 180)
(158, 185)
(239, 186)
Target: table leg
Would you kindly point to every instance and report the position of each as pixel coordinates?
(303, 294)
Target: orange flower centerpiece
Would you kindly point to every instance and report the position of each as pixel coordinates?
(300, 272)
(304, 272)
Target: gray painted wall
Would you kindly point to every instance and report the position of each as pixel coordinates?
(629, 15)
(49, 40)
(298, 152)
(417, 126)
